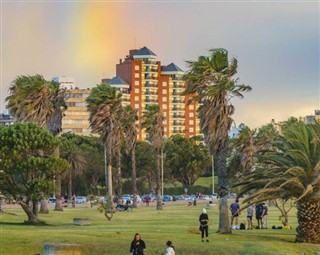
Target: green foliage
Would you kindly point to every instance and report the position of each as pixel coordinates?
(27, 161)
(185, 160)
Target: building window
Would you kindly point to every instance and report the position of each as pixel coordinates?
(136, 75)
(136, 98)
(191, 130)
(191, 114)
(136, 90)
(136, 83)
(164, 84)
(165, 129)
(164, 91)
(136, 106)
(164, 114)
(136, 68)
(164, 107)
(191, 122)
(164, 122)
(191, 107)
(164, 99)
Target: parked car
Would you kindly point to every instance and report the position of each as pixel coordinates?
(214, 196)
(232, 195)
(167, 198)
(81, 200)
(149, 197)
(52, 200)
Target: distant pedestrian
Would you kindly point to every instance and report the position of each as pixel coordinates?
(249, 216)
(265, 215)
(170, 249)
(73, 200)
(137, 245)
(204, 227)
(235, 208)
(259, 212)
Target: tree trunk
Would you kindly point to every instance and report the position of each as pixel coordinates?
(119, 177)
(31, 211)
(44, 206)
(223, 189)
(308, 230)
(134, 177)
(158, 176)
(108, 176)
(58, 206)
(70, 185)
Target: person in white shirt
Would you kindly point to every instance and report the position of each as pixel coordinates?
(170, 249)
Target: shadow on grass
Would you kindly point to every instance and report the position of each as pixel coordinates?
(26, 223)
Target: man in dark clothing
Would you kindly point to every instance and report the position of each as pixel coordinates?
(234, 208)
(259, 212)
(204, 224)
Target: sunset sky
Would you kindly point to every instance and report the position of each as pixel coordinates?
(276, 44)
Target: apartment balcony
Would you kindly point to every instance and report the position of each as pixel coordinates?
(178, 101)
(151, 85)
(151, 101)
(178, 116)
(179, 86)
(150, 62)
(178, 123)
(151, 69)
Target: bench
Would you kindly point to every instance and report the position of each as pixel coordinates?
(61, 249)
(81, 221)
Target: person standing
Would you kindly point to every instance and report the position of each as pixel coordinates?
(265, 215)
(249, 216)
(204, 219)
(259, 212)
(235, 208)
(170, 249)
(137, 245)
(73, 200)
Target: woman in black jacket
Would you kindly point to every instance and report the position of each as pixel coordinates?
(137, 245)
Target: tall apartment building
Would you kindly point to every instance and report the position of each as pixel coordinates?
(151, 83)
(76, 117)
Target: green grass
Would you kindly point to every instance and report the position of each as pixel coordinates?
(178, 223)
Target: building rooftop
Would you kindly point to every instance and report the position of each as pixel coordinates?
(171, 68)
(117, 81)
(144, 52)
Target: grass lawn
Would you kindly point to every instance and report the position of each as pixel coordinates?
(177, 223)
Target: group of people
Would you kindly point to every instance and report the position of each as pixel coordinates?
(261, 210)
(138, 245)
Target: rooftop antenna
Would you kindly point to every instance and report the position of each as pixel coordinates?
(134, 42)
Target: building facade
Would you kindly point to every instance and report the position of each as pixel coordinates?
(76, 117)
(151, 83)
(142, 80)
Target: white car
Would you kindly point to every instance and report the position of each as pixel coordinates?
(81, 200)
(214, 196)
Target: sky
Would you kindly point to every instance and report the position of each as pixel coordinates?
(276, 44)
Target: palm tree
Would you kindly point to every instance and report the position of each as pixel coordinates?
(152, 122)
(292, 171)
(245, 145)
(117, 141)
(72, 154)
(131, 132)
(33, 99)
(104, 105)
(210, 82)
